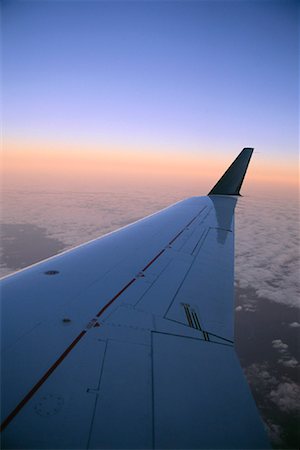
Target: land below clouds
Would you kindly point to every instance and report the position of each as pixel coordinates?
(23, 244)
(267, 343)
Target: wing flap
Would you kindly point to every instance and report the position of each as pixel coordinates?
(199, 386)
(120, 422)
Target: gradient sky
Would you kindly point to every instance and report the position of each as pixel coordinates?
(149, 85)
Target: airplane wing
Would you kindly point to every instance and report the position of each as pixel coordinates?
(128, 341)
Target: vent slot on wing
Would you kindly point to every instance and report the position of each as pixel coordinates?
(193, 319)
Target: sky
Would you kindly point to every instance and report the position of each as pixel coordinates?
(102, 93)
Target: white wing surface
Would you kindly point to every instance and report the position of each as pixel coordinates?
(127, 341)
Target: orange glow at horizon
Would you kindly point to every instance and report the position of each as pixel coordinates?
(78, 168)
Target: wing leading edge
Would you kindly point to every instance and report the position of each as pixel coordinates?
(127, 341)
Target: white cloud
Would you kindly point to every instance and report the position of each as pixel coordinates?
(259, 376)
(286, 396)
(289, 362)
(286, 359)
(279, 345)
(267, 242)
(250, 307)
(239, 308)
(274, 431)
(294, 325)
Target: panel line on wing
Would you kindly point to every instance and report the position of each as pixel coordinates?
(157, 332)
(186, 274)
(194, 218)
(220, 337)
(207, 335)
(200, 241)
(152, 389)
(97, 396)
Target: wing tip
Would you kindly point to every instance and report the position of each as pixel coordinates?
(231, 181)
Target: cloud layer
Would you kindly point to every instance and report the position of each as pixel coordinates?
(267, 248)
(278, 398)
(286, 396)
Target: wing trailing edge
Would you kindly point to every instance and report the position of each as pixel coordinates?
(230, 183)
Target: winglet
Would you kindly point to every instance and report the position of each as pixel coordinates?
(230, 183)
